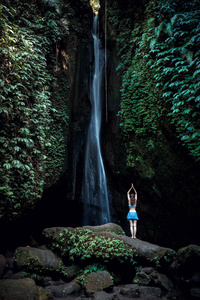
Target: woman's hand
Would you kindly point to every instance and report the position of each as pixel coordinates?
(133, 188)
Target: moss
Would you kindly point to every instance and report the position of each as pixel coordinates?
(82, 245)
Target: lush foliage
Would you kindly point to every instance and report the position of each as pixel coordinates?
(177, 66)
(25, 112)
(35, 92)
(159, 61)
(84, 245)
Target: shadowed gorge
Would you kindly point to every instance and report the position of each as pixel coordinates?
(89, 104)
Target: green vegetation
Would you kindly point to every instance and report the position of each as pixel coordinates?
(35, 98)
(158, 48)
(89, 269)
(85, 245)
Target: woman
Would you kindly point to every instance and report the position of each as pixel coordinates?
(132, 215)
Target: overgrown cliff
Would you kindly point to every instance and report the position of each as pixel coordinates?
(41, 45)
(153, 136)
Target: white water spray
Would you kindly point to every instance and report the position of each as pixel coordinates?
(94, 192)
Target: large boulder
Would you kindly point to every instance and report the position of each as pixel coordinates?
(98, 281)
(162, 281)
(84, 243)
(37, 260)
(22, 289)
(189, 260)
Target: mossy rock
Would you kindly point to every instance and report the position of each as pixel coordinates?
(97, 281)
(22, 289)
(82, 244)
(36, 260)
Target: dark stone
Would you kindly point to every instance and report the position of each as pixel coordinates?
(130, 290)
(71, 271)
(64, 290)
(18, 275)
(149, 291)
(143, 279)
(162, 281)
(54, 283)
(104, 296)
(196, 277)
(147, 270)
(195, 292)
(189, 260)
(2, 264)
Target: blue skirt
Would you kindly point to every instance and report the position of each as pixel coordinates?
(132, 216)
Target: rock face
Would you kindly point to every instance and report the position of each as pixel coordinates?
(22, 289)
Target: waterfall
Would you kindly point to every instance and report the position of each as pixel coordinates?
(94, 190)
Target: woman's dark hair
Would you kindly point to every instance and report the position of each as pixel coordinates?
(132, 198)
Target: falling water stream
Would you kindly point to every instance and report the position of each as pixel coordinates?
(94, 190)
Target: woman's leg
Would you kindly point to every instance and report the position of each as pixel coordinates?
(131, 227)
(134, 228)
